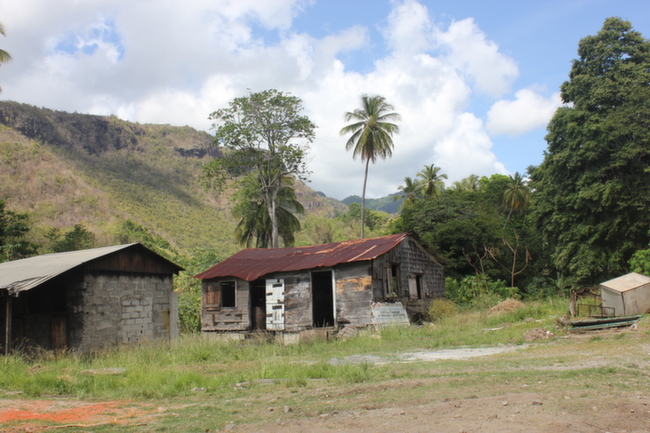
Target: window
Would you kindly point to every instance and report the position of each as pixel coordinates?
(228, 294)
(415, 286)
(391, 282)
(220, 295)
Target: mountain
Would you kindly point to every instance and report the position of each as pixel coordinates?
(386, 204)
(68, 168)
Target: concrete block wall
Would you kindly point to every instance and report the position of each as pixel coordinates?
(125, 309)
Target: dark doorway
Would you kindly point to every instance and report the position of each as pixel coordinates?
(322, 298)
(258, 305)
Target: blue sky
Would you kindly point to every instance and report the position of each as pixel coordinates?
(475, 81)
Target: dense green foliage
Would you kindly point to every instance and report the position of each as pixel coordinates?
(266, 134)
(591, 191)
(476, 233)
(13, 230)
(78, 238)
(371, 135)
(254, 227)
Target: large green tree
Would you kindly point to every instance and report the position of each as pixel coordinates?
(13, 230)
(591, 192)
(266, 134)
(254, 228)
(4, 56)
(372, 135)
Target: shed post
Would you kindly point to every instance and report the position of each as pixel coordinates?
(7, 336)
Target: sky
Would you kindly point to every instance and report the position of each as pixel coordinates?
(475, 81)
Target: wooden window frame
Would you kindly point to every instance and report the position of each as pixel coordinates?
(214, 295)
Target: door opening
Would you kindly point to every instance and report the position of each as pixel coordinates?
(322, 299)
(258, 305)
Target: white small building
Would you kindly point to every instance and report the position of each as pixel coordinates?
(628, 295)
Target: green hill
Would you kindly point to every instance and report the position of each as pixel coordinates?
(385, 204)
(68, 168)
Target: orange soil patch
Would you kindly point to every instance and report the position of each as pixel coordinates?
(27, 413)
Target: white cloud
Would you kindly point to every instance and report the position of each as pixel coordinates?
(479, 58)
(528, 111)
(175, 62)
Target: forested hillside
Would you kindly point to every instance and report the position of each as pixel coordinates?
(66, 169)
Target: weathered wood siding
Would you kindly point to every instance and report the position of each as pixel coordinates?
(235, 318)
(354, 293)
(357, 285)
(412, 261)
(298, 314)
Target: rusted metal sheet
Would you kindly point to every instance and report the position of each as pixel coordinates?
(251, 264)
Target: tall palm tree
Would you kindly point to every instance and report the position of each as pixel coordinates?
(372, 135)
(4, 56)
(431, 181)
(411, 192)
(516, 196)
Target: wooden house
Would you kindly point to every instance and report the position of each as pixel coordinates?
(87, 299)
(296, 289)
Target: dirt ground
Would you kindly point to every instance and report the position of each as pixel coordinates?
(512, 412)
(516, 409)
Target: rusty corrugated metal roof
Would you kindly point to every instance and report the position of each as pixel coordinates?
(251, 264)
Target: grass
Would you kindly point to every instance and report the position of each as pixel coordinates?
(163, 369)
(205, 384)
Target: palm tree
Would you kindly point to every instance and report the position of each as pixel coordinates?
(412, 191)
(431, 181)
(372, 135)
(255, 226)
(470, 183)
(517, 195)
(4, 56)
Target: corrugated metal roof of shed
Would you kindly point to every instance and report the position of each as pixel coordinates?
(251, 264)
(627, 282)
(25, 274)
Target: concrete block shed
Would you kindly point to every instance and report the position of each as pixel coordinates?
(628, 294)
(87, 299)
(292, 290)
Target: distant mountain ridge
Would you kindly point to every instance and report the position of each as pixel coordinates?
(69, 168)
(385, 204)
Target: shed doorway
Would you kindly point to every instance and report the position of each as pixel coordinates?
(322, 299)
(258, 305)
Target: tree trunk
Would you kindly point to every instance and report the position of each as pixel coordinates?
(272, 206)
(363, 199)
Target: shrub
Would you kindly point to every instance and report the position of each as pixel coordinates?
(441, 308)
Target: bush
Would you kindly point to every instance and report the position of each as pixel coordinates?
(478, 291)
(441, 308)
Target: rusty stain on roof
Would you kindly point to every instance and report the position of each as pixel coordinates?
(251, 264)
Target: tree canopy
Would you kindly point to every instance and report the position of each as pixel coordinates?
(266, 134)
(591, 191)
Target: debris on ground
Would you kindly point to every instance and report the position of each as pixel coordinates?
(537, 334)
(507, 306)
